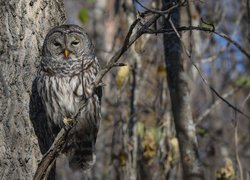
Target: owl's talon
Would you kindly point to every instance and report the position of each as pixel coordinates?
(68, 121)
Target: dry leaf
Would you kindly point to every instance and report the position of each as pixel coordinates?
(149, 146)
(122, 76)
(174, 154)
(227, 172)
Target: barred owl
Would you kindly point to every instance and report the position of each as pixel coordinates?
(68, 67)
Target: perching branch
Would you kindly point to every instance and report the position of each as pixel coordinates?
(49, 158)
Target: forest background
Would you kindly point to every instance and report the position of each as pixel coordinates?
(148, 127)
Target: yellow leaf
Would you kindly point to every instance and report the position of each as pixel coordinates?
(149, 146)
(174, 150)
(122, 76)
(139, 46)
(227, 172)
(174, 145)
(140, 129)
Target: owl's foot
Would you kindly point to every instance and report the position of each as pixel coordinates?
(68, 121)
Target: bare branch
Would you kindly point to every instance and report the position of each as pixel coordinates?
(155, 11)
(217, 93)
(236, 147)
(191, 28)
(216, 103)
(202, 76)
(175, 30)
(245, 100)
(49, 158)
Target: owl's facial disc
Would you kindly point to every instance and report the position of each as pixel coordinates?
(69, 45)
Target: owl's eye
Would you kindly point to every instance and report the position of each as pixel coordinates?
(75, 43)
(56, 44)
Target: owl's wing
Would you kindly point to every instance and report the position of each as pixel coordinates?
(98, 92)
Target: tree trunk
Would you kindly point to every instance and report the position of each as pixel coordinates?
(24, 24)
(180, 101)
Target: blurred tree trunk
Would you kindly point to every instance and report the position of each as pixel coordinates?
(180, 99)
(24, 24)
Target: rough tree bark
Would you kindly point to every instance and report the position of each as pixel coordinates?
(180, 100)
(24, 24)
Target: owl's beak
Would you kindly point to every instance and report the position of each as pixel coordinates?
(66, 53)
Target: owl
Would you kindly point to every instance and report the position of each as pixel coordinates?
(64, 82)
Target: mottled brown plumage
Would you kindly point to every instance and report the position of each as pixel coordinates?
(68, 67)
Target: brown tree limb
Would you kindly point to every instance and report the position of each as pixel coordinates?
(48, 159)
(180, 98)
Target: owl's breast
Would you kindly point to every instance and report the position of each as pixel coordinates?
(61, 96)
(69, 93)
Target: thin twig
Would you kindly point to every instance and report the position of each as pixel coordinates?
(245, 100)
(217, 93)
(173, 26)
(191, 28)
(202, 76)
(216, 103)
(179, 36)
(155, 11)
(236, 145)
(213, 57)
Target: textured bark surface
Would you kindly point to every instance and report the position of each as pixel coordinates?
(181, 101)
(24, 24)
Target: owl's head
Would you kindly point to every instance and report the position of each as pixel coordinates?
(67, 42)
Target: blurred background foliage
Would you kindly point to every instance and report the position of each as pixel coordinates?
(137, 139)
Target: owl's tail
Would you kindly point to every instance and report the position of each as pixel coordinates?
(83, 156)
(81, 152)
(82, 138)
